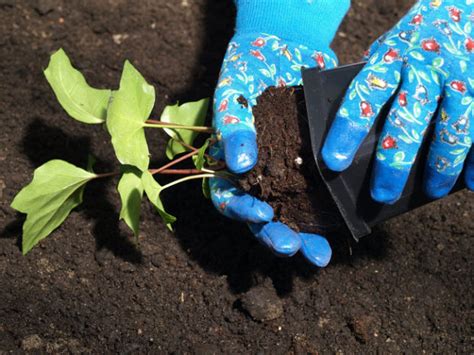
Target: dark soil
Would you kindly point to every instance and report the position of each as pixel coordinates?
(210, 287)
(286, 175)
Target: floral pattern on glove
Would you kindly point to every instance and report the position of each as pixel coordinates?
(253, 63)
(427, 62)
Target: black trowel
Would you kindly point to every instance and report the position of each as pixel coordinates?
(350, 189)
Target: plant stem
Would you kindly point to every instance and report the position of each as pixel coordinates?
(174, 162)
(187, 178)
(183, 172)
(106, 175)
(159, 124)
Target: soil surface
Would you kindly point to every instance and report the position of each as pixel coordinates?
(286, 175)
(209, 287)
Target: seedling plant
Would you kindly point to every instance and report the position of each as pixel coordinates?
(57, 186)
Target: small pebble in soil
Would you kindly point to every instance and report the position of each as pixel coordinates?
(156, 260)
(363, 328)
(31, 343)
(262, 303)
(44, 7)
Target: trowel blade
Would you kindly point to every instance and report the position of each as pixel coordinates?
(324, 91)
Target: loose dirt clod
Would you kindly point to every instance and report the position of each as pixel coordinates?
(262, 303)
(31, 342)
(363, 328)
(286, 175)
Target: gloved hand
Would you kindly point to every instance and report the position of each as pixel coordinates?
(428, 61)
(274, 39)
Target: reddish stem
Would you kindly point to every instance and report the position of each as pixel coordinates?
(174, 162)
(182, 172)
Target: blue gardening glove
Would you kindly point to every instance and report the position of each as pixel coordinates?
(274, 39)
(427, 60)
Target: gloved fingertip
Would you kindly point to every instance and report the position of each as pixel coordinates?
(385, 195)
(388, 183)
(438, 185)
(316, 249)
(249, 209)
(241, 152)
(283, 241)
(342, 143)
(336, 161)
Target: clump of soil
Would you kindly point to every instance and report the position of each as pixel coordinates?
(286, 175)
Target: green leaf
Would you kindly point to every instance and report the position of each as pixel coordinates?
(417, 110)
(364, 89)
(206, 189)
(130, 107)
(463, 66)
(153, 190)
(352, 95)
(56, 189)
(297, 54)
(273, 69)
(399, 157)
(457, 29)
(424, 76)
(451, 49)
(467, 100)
(374, 58)
(397, 76)
(417, 56)
(458, 151)
(438, 62)
(379, 69)
(435, 77)
(459, 160)
(266, 73)
(130, 188)
(200, 158)
(414, 38)
(188, 114)
(381, 156)
(81, 102)
(468, 28)
(344, 112)
(406, 139)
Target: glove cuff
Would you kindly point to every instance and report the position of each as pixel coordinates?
(309, 22)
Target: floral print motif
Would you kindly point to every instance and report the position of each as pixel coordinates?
(253, 63)
(427, 61)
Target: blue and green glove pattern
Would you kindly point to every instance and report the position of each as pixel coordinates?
(274, 39)
(427, 61)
